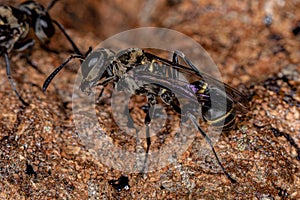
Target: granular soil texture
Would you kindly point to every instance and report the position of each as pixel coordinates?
(255, 44)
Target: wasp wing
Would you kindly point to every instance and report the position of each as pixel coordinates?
(240, 101)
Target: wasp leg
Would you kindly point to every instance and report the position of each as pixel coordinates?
(208, 140)
(8, 73)
(48, 49)
(150, 113)
(29, 62)
(169, 98)
(177, 54)
(103, 84)
(27, 44)
(100, 95)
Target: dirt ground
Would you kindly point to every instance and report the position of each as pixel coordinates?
(255, 44)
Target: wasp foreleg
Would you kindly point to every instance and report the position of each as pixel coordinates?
(8, 73)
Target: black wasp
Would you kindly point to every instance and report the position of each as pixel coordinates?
(158, 79)
(15, 26)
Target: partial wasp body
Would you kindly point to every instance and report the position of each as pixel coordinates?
(15, 25)
(156, 77)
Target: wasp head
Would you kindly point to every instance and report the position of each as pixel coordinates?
(96, 65)
(39, 20)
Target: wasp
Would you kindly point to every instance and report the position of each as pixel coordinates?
(15, 26)
(159, 78)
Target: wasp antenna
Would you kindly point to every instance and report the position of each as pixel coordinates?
(60, 26)
(55, 72)
(11, 80)
(208, 140)
(51, 4)
(88, 51)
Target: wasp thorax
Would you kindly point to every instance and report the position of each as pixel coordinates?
(131, 56)
(44, 28)
(91, 66)
(95, 66)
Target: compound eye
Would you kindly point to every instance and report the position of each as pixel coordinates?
(44, 28)
(90, 65)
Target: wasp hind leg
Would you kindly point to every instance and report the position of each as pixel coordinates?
(177, 54)
(208, 140)
(8, 73)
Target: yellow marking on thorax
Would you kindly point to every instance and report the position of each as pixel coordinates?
(222, 118)
(203, 89)
(151, 68)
